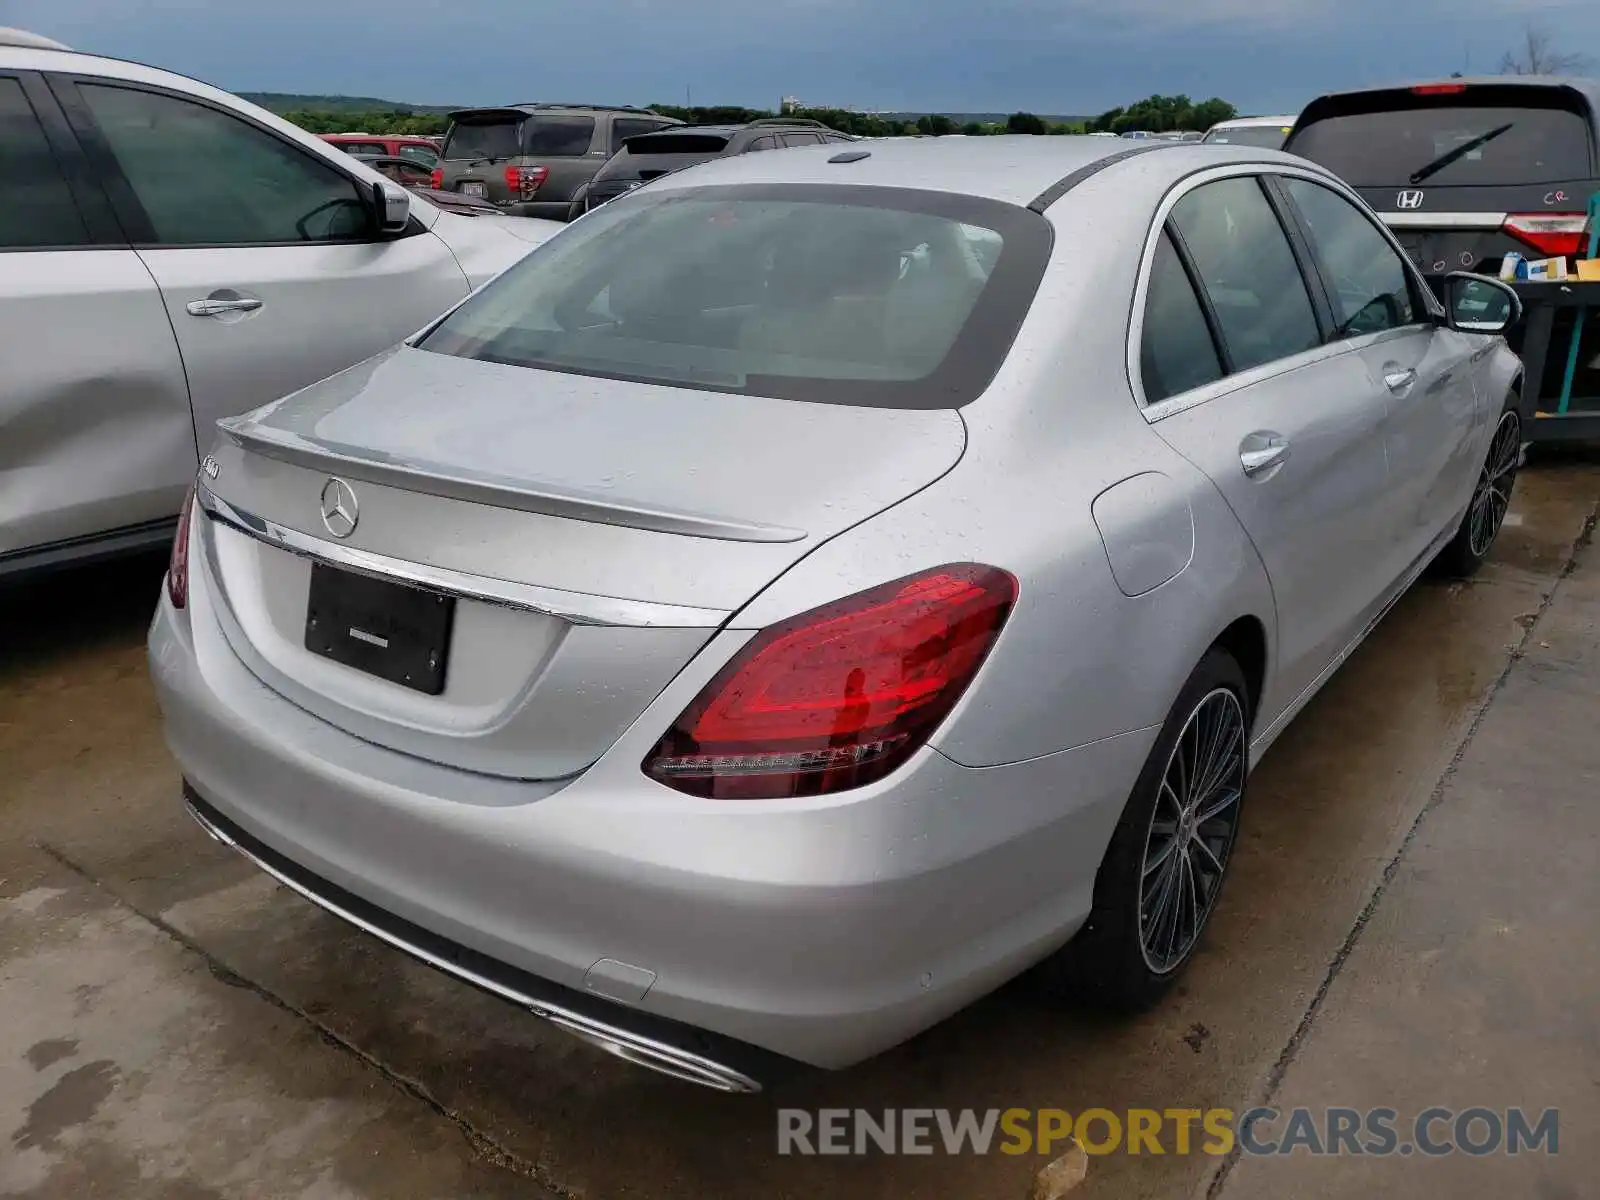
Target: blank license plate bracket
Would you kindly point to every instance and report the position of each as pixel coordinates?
(391, 630)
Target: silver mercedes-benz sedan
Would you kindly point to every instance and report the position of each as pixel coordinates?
(810, 590)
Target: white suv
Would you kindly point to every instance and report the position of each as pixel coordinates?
(169, 255)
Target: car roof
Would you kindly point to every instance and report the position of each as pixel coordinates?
(1015, 169)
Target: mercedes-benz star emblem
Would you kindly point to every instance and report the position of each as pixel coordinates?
(339, 509)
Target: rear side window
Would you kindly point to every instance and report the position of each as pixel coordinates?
(36, 209)
(879, 297)
(1414, 142)
(1366, 279)
(802, 139)
(1176, 352)
(1248, 271)
(558, 137)
(768, 142)
(422, 154)
(483, 139)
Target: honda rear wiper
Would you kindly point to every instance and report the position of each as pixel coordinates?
(1460, 152)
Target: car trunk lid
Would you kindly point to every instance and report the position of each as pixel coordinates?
(590, 535)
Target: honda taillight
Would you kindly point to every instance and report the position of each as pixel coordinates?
(525, 181)
(436, 180)
(839, 696)
(178, 564)
(1553, 234)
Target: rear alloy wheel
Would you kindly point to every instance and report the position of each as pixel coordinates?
(1192, 830)
(1169, 855)
(1485, 515)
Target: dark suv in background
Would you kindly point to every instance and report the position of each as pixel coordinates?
(650, 155)
(531, 159)
(1465, 170)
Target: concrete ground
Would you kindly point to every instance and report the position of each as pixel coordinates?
(173, 1024)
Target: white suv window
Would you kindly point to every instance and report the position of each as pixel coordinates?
(205, 178)
(36, 209)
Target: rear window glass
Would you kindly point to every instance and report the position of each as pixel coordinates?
(559, 137)
(679, 143)
(879, 297)
(1266, 137)
(1454, 144)
(493, 139)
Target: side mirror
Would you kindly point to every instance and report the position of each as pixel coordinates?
(392, 203)
(1478, 304)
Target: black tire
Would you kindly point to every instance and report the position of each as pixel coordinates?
(1109, 964)
(1486, 513)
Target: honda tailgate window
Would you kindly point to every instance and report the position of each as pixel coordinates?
(1450, 145)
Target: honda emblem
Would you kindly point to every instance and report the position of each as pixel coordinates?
(1408, 200)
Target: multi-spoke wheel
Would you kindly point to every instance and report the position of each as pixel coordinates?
(1490, 499)
(1161, 875)
(1191, 831)
(1493, 495)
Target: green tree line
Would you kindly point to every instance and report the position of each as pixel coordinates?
(1160, 114)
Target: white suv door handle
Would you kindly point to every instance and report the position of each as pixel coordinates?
(1261, 451)
(212, 307)
(1399, 381)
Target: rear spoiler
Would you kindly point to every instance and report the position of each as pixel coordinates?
(470, 116)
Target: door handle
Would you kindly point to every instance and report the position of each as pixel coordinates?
(212, 307)
(1399, 381)
(1262, 451)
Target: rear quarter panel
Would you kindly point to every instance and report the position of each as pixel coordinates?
(1079, 660)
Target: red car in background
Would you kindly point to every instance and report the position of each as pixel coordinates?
(417, 149)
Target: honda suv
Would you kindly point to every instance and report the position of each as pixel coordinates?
(1465, 170)
(651, 155)
(532, 159)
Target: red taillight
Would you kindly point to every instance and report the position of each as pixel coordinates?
(436, 180)
(525, 181)
(1553, 234)
(1439, 89)
(178, 564)
(841, 695)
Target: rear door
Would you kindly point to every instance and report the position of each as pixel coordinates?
(1237, 376)
(269, 267)
(1462, 173)
(95, 431)
(1380, 311)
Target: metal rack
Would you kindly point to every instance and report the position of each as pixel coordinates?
(1555, 414)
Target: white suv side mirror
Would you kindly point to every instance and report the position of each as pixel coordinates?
(393, 206)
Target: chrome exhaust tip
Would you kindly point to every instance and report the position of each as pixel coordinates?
(645, 1052)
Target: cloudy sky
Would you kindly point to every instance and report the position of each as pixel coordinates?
(1065, 56)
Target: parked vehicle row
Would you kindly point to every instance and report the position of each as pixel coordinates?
(807, 621)
(170, 254)
(367, 145)
(757, 735)
(651, 155)
(532, 159)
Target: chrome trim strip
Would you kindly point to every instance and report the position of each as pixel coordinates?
(1446, 220)
(578, 608)
(635, 1048)
(435, 480)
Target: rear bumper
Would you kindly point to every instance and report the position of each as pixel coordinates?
(745, 934)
